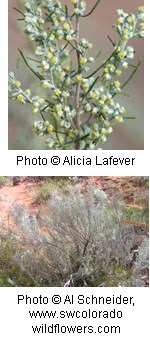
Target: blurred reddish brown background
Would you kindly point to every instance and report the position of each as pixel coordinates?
(130, 135)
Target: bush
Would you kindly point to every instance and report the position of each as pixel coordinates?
(80, 241)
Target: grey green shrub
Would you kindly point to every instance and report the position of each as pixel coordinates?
(76, 106)
(80, 241)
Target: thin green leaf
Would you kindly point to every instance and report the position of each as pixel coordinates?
(29, 67)
(98, 54)
(56, 127)
(83, 137)
(66, 11)
(49, 103)
(12, 97)
(42, 115)
(132, 65)
(113, 44)
(92, 85)
(125, 94)
(131, 76)
(49, 16)
(74, 47)
(17, 10)
(129, 118)
(33, 60)
(64, 47)
(103, 64)
(17, 63)
(92, 10)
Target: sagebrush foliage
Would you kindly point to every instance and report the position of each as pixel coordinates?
(80, 241)
(77, 109)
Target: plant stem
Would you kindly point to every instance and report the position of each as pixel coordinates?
(77, 93)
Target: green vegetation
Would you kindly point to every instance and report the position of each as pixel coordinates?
(3, 180)
(43, 192)
(136, 214)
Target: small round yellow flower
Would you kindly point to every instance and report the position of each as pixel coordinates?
(52, 36)
(49, 55)
(61, 18)
(130, 19)
(17, 84)
(109, 130)
(141, 8)
(46, 123)
(65, 94)
(101, 101)
(106, 123)
(57, 92)
(105, 109)
(54, 60)
(70, 134)
(121, 54)
(41, 21)
(112, 68)
(117, 84)
(119, 20)
(125, 37)
(95, 135)
(66, 26)
(67, 68)
(125, 65)
(103, 139)
(106, 70)
(36, 105)
(20, 97)
(45, 84)
(50, 128)
(118, 72)
(141, 25)
(83, 60)
(125, 31)
(35, 110)
(103, 130)
(95, 127)
(119, 119)
(79, 78)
